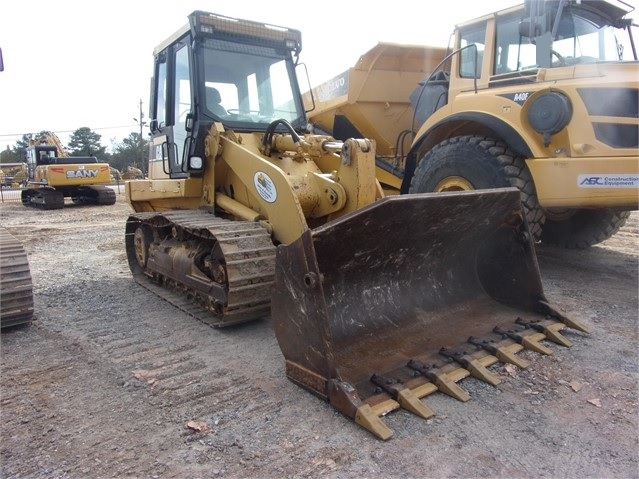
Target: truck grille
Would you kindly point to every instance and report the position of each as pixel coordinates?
(615, 103)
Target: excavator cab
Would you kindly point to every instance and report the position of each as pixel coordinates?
(45, 154)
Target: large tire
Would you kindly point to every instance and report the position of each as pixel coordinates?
(478, 162)
(580, 229)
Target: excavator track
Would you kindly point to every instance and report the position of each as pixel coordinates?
(16, 289)
(94, 195)
(221, 272)
(43, 198)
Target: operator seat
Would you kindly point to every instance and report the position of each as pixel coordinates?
(213, 99)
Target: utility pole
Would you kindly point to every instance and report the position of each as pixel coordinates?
(142, 124)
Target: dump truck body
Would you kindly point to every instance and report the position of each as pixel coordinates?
(561, 129)
(245, 215)
(371, 100)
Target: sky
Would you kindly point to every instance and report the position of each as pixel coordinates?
(76, 63)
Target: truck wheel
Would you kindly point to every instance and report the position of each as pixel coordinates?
(477, 162)
(580, 229)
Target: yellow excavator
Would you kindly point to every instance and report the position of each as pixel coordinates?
(376, 299)
(54, 175)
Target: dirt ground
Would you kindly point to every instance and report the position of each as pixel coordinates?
(112, 381)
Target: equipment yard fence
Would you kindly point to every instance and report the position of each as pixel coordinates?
(9, 194)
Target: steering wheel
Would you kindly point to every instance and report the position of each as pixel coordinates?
(560, 58)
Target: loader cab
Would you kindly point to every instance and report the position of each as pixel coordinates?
(216, 69)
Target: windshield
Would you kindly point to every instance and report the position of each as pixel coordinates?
(248, 84)
(580, 37)
(581, 40)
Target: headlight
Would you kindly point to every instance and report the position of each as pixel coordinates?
(195, 163)
(549, 113)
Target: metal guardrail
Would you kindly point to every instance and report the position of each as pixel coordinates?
(9, 194)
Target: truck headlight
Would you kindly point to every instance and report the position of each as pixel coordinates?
(549, 113)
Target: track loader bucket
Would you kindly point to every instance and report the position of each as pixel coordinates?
(407, 296)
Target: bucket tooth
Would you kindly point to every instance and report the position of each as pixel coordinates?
(473, 366)
(424, 390)
(366, 417)
(553, 334)
(404, 396)
(441, 380)
(344, 397)
(506, 355)
(531, 342)
(502, 353)
(407, 400)
(546, 308)
(384, 407)
(550, 331)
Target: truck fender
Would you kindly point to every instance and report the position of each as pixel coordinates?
(463, 123)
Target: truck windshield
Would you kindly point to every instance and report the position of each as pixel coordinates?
(581, 40)
(249, 84)
(580, 37)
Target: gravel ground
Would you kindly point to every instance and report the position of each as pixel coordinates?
(112, 381)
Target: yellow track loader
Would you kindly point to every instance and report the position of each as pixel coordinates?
(376, 300)
(542, 96)
(16, 287)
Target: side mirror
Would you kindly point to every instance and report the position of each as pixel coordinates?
(529, 29)
(154, 126)
(188, 123)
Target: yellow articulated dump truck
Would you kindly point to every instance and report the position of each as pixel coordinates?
(542, 97)
(376, 299)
